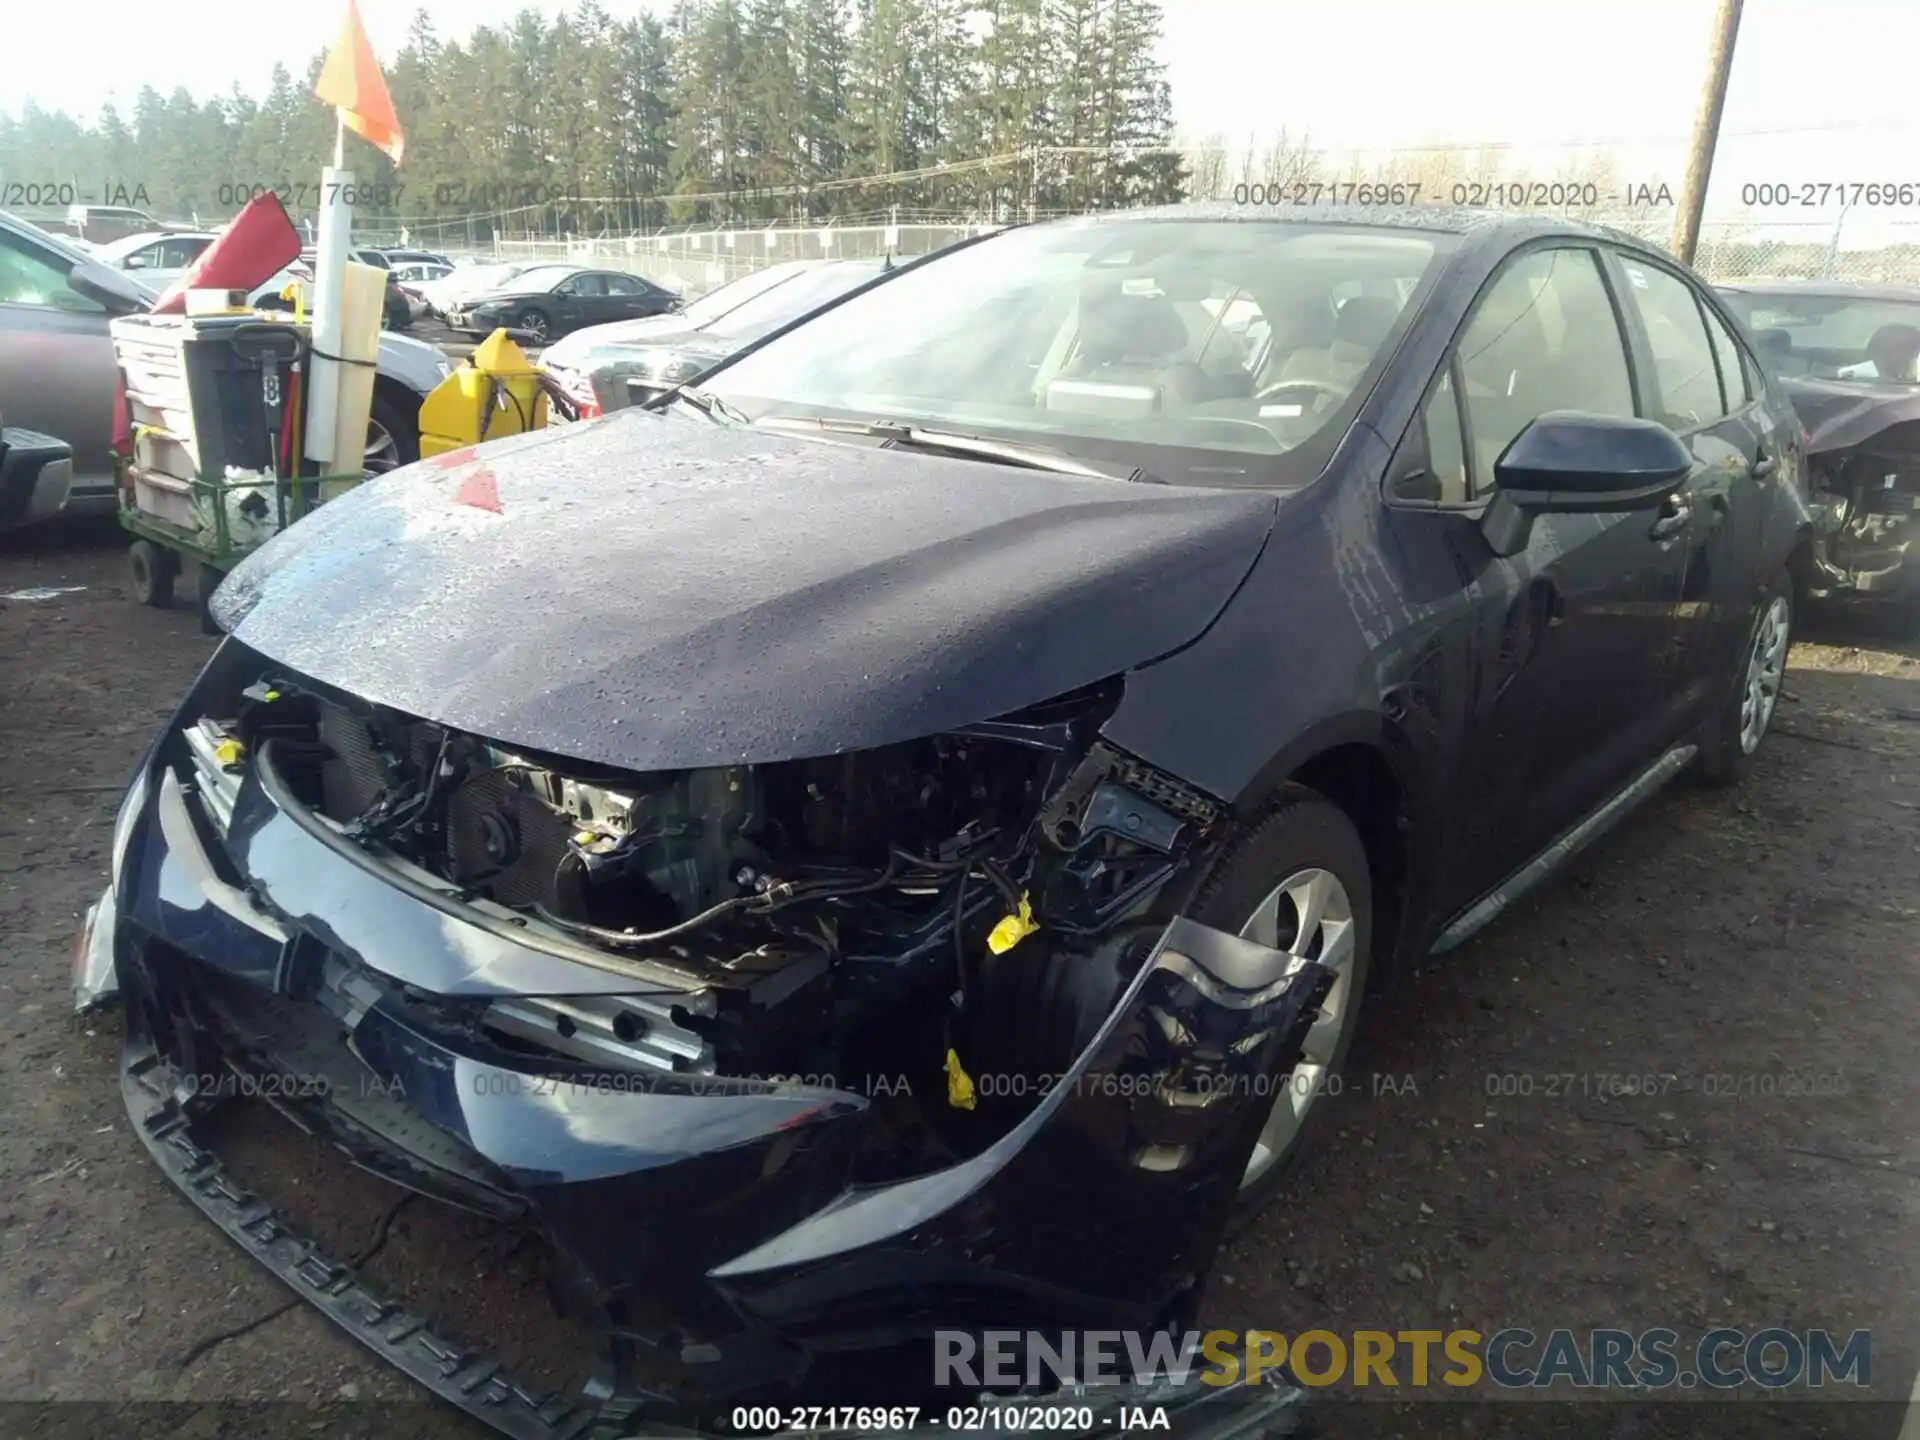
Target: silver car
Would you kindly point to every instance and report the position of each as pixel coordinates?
(57, 373)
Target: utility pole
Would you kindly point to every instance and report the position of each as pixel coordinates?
(1706, 130)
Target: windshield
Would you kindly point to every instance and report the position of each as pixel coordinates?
(1203, 351)
(807, 290)
(1833, 337)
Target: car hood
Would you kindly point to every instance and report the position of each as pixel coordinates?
(578, 349)
(1840, 414)
(656, 591)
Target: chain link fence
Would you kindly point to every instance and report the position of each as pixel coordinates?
(693, 262)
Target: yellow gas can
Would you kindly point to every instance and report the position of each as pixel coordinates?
(497, 392)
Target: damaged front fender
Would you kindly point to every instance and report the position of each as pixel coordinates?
(1114, 1189)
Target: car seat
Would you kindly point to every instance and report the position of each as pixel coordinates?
(1362, 324)
(1132, 358)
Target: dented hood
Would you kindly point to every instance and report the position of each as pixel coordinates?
(1840, 414)
(657, 591)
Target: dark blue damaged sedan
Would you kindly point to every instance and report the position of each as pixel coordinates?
(897, 839)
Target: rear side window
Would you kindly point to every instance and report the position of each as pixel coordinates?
(1544, 337)
(1734, 380)
(1686, 379)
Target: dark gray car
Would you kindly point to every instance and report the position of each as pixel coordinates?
(57, 371)
(56, 361)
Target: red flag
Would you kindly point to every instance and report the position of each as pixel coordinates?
(351, 82)
(259, 244)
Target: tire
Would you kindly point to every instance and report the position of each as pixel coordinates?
(150, 574)
(206, 580)
(1903, 614)
(400, 423)
(536, 324)
(1728, 747)
(1303, 833)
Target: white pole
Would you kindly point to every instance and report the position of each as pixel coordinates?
(329, 304)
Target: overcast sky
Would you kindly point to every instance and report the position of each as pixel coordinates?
(1823, 90)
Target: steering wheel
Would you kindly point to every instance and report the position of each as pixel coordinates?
(1316, 387)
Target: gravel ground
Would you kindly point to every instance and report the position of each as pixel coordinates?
(1732, 945)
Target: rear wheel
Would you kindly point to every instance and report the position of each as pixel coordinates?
(150, 571)
(1727, 751)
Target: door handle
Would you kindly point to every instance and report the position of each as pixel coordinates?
(1675, 512)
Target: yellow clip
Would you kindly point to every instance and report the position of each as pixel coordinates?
(271, 695)
(585, 837)
(1013, 929)
(959, 1084)
(228, 752)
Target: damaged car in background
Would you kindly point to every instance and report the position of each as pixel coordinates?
(608, 367)
(1846, 357)
(897, 838)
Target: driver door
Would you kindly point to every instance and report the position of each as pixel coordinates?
(1566, 643)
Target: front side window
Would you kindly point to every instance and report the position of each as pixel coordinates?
(1187, 338)
(30, 276)
(1686, 378)
(1544, 337)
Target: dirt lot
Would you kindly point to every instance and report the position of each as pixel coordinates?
(1742, 948)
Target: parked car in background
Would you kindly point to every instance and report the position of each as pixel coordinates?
(57, 373)
(158, 259)
(36, 471)
(549, 300)
(454, 289)
(398, 311)
(1011, 671)
(607, 367)
(397, 259)
(1846, 357)
(411, 275)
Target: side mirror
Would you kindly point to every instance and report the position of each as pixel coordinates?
(1569, 462)
(136, 262)
(116, 291)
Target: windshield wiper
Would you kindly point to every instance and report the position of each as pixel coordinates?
(707, 403)
(898, 436)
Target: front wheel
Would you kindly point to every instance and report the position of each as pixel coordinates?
(1733, 739)
(535, 323)
(1298, 881)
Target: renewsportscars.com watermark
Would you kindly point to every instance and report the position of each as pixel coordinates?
(1512, 1359)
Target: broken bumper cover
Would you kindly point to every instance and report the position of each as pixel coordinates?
(708, 1228)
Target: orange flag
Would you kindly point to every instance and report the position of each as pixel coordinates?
(351, 82)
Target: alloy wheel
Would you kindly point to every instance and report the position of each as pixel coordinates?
(1766, 668)
(1310, 916)
(382, 452)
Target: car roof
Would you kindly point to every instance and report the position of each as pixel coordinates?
(1445, 219)
(1823, 289)
(27, 230)
(127, 244)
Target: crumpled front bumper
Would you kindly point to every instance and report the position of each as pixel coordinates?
(710, 1229)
